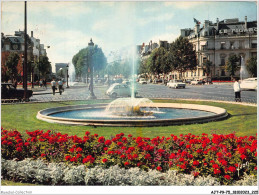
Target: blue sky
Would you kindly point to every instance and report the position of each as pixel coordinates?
(68, 26)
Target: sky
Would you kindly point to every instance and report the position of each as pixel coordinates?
(67, 26)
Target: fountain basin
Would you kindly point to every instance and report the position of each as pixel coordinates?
(211, 113)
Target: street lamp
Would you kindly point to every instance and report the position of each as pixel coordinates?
(25, 53)
(67, 75)
(91, 47)
(32, 72)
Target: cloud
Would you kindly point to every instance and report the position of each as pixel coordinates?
(183, 5)
(170, 37)
(159, 18)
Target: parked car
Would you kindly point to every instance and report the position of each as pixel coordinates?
(121, 90)
(176, 84)
(249, 84)
(126, 81)
(9, 92)
(188, 81)
(196, 82)
(142, 81)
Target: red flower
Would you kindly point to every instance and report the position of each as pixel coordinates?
(105, 148)
(43, 155)
(79, 149)
(215, 166)
(129, 135)
(123, 156)
(135, 156)
(108, 142)
(73, 159)
(183, 167)
(19, 149)
(68, 158)
(172, 156)
(232, 169)
(87, 133)
(101, 139)
(195, 174)
(126, 163)
(110, 152)
(217, 171)
(120, 144)
(72, 150)
(227, 177)
(78, 155)
(181, 159)
(148, 156)
(104, 160)
(243, 156)
(159, 168)
(95, 135)
(89, 158)
(195, 163)
(4, 142)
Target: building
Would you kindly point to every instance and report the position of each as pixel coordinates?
(15, 43)
(60, 66)
(217, 41)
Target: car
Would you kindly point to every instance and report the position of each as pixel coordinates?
(176, 84)
(127, 82)
(119, 90)
(196, 82)
(188, 81)
(142, 81)
(249, 84)
(9, 92)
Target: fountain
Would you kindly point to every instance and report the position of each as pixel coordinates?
(243, 71)
(132, 112)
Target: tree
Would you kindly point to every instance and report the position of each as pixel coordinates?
(231, 65)
(182, 56)
(251, 66)
(83, 59)
(43, 66)
(157, 62)
(11, 65)
(207, 67)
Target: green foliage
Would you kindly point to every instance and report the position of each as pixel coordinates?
(44, 65)
(82, 61)
(158, 62)
(11, 64)
(251, 66)
(182, 56)
(207, 67)
(231, 65)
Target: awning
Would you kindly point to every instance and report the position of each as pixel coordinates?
(254, 41)
(203, 42)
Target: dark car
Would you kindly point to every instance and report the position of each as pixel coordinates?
(9, 92)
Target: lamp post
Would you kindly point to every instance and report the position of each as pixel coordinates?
(32, 74)
(67, 75)
(91, 47)
(25, 53)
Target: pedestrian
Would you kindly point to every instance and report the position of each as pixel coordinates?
(237, 91)
(41, 82)
(45, 83)
(15, 84)
(53, 85)
(60, 86)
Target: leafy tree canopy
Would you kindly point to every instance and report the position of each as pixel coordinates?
(251, 66)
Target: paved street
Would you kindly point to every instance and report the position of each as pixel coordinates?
(223, 92)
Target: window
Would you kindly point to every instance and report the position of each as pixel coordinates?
(222, 61)
(254, 45)
(232, 45)
(223, 73)
(222, 45)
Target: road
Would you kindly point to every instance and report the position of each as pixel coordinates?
(223, 92)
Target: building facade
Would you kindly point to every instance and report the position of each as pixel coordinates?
(217, 41)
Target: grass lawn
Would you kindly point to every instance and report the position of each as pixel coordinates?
(242, 121)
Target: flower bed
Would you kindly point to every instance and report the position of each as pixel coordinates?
(225, 157)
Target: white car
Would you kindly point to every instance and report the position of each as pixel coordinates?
(249, 84)
(142, 81)
(176, 84)
(196, 82)
(117, 89)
